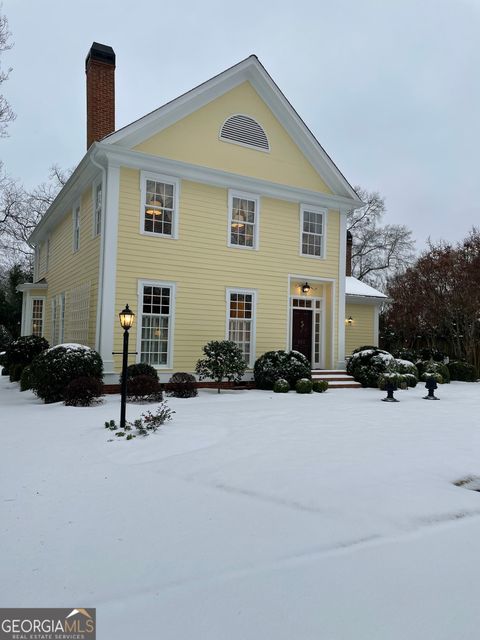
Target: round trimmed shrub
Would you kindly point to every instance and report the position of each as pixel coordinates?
(281, 386)
(429, 366)
(463, 371)
(83, 392)
(398, 379)
(54, 368)
(304, 385)
(182, 385)
(26, 379)
(141, 369)
(367, 365)
(288, 365)
(406, 366)
(144, 388)
(438, 377)
(411, 380)
(23, 350)
(320, 386)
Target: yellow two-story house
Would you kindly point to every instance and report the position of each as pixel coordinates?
(218, 215)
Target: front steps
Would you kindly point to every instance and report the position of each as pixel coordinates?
(336, 379)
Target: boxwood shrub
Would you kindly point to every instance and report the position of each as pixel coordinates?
(182, 385)
(366, 365)
(141, 369)
(83, 392)
(281, 386)
(288, 365)
(429, 366)
(320, 386)
(16, 372)
(304, 385)
(398, 379)
(463, 371)
(24, 349)
(144, 388)
(54, 368)
(26, 379)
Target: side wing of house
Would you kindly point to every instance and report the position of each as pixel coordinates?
(61, 304)
(362, 311)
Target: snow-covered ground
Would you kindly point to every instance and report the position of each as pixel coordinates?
(251, 516)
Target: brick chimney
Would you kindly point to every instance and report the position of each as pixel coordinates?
(348, 265)
(100, 70)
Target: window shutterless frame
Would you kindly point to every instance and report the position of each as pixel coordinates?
(312, 219)
(146, 330)
(76, 225)
(97, 208)
(235, 299)
(165, 195)
(243, 220)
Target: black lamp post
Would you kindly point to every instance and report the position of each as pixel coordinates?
(126, 321)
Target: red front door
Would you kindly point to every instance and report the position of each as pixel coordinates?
(302, 332)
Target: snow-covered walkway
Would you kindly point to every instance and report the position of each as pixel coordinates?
(250, 516)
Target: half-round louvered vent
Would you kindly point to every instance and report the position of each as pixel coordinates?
(244, 130)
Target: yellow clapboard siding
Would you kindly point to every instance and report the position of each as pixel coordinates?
(203, 266)
(195, 139)
(361, 331)
(68, 269)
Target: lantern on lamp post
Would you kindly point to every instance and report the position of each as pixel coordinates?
(127, 318)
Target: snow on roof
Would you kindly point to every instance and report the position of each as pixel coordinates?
(354, 287)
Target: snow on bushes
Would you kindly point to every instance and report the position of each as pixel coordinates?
(281, 386)
(320, 386)
(304, 385)
(272, 365)
(429, 366)
(54, 368)
(23, 350)
(223, 360)
(367, 364)
(83, 392)
(398, 379)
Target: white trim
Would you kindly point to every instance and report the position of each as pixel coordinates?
(372, 300)
(77, 208)
(108, 269)
(159, 177)
(342, 257)
(324, 213)
(171, 325)
(321, 312)
(47, 253)
(103, 179)
(232, 193)
(96, 183)
(253, 329)
(220, 178)
(376, 315)
(244, 144)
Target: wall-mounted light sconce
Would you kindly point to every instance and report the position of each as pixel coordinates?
(349, 321)
(306, 287)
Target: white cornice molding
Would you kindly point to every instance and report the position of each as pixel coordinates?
(353, 299)
(216, 177)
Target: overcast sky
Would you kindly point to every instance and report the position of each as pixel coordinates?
(390, 88)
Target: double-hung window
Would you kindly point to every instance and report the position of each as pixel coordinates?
(241, 321)
(37, 316)
(159, 211)
(243, 220)
(156, 301)
(312, 237)
(97, 209)
(76, 227)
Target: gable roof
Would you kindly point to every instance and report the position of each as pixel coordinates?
(253, 71)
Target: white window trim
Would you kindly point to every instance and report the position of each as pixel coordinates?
(47, 254)
(96, 183)
(171, 328)
(36, 262)
(253, 331)
(256, 236)
(159, 177)
(324, 212)
(76, 207)
(31, 300)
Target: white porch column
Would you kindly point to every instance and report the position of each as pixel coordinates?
(106, 315)
(341, 289)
